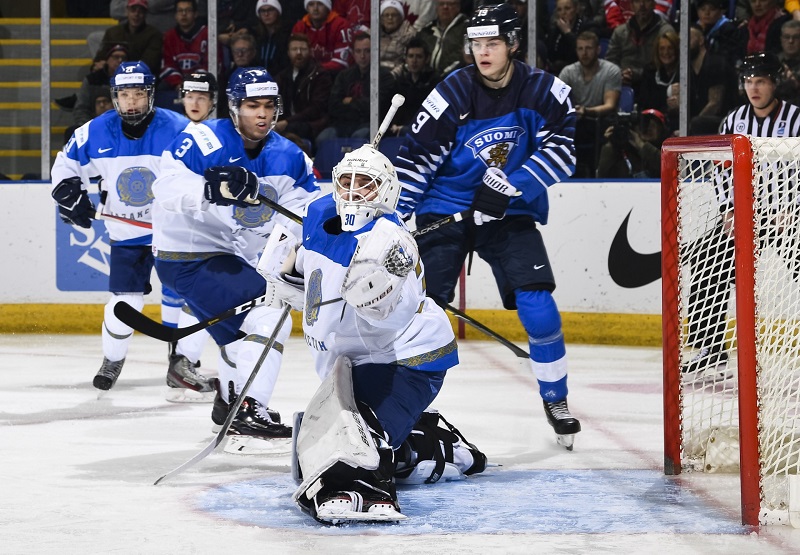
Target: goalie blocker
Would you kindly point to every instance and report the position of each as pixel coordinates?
(349, 465)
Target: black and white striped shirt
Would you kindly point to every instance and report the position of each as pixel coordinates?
(783, 121)
(777, 180)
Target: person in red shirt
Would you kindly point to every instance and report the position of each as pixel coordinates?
(329, 33)
(185, 47)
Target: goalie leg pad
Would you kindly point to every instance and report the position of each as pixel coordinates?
(434, 452)
(346, 462)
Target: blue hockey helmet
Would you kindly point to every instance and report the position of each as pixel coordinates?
(133, 75)
(252, 82)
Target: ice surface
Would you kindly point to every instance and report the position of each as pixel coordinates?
(77, 472)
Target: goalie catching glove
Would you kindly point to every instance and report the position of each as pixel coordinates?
(384, 257)
(74, 205)
(492, 198)
(231, 185)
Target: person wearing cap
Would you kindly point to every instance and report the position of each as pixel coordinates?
(488, 143)
(712, 268)
(329, 34)
(395, 34)
(633, 150)
(722, 35)
(144, 42)
(444, 36)
(185, 46)
(96, 81)
(272, 36)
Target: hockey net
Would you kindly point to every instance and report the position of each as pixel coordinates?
(731, 316)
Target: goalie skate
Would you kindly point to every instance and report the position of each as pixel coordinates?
(351, 506)
(564, 424)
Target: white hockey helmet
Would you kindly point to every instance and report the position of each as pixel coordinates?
(359, 200)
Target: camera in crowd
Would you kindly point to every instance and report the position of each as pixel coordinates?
(622, 124)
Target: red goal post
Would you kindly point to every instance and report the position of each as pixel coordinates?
(743, 414)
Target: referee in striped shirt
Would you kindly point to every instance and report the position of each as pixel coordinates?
(764, 115)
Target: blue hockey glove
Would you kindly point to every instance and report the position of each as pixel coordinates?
(74, 205)
(492, 198)
(227, 185)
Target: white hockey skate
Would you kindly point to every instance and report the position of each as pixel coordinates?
(351, 506)
(564, 424)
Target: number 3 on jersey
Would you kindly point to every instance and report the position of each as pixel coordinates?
(185, 145)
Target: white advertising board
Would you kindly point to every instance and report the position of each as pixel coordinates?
(585, 217)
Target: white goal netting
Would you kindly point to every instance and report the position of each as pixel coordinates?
(708, 244)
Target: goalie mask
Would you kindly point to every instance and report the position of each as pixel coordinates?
(365, 186)
(128, 82)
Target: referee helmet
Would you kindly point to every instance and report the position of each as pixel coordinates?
(761, 64)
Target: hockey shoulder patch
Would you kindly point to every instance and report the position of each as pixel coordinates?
(560, 90)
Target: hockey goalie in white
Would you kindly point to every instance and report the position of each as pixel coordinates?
(381, 347)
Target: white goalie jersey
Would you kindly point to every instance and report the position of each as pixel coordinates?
(340, 318)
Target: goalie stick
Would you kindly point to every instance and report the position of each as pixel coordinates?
(208, 449)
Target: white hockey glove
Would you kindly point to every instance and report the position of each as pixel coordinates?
(227, 185)
(276, 265)
(492, 198)
(384, 257)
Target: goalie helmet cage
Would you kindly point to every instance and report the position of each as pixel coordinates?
(745, 415)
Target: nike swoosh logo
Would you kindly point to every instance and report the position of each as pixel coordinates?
(538, 266)
(231, 160)
(102, 150)
(463, 116)
(628, 268)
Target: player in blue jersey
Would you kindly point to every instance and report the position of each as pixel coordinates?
(380, 345)
(124, 148)
(209, 229)
(493, 137)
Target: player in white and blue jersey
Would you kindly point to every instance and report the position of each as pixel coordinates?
(493, 137)
(209, 229)
(124, 148)
(381, 346)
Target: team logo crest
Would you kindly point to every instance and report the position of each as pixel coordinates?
(313, 296)
(494, 146)
(256, 215)
(740, 127)
(135, 186)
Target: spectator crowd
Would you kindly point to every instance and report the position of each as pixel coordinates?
(618, 57)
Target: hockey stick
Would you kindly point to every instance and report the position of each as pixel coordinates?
(141, 323)
(99, 215)
(521, 353)
(397, 101)
(208, 449)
